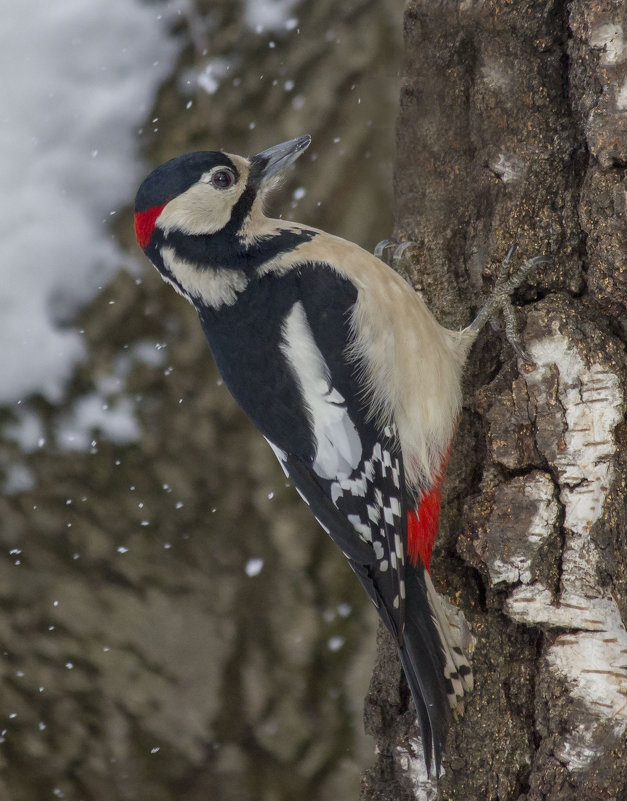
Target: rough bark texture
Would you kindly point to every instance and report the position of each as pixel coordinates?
(140, 661)
(513, 130)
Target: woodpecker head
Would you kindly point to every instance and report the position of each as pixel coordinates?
(208, 192)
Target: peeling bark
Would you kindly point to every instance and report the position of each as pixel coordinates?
(513, 129)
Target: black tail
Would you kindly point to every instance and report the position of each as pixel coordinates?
(435, 667)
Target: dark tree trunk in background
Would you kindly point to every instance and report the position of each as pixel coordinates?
(513, 130)
(173, 622)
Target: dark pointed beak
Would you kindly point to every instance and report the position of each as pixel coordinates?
(277, 158)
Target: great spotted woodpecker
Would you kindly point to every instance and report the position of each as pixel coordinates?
(345, 372)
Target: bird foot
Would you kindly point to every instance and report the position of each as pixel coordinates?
(400, 248)
(500, 300)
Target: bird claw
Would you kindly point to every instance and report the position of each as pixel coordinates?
(398, 254)
(507, 283)
(500, 300)
(382, 246)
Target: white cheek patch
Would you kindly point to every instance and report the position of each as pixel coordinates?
(338, 447)
(201, 210)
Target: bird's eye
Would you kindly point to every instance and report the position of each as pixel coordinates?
(222, 179)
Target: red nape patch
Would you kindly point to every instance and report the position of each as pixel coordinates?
(145, 224)
(422, 527)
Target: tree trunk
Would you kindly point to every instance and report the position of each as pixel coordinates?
(512, 130)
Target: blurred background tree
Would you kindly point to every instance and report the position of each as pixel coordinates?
(174, 623)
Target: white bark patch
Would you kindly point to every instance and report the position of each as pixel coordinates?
(601, 678)
(579, 749)
(411, 761)
(593, 658)
(541, 489)
(513, 564)
(621, 97)
(592, 402)
(608, 38)
(508, 168)
(495, 76)
(536, 604)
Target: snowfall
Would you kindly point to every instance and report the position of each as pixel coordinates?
(80, 81)
(80, 78)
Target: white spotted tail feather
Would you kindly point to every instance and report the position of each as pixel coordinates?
(436, 669)
(456, 641)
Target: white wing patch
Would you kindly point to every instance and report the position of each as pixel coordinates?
(338, 447)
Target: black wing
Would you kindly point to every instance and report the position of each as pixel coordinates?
(360, 498)
(310, 404)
